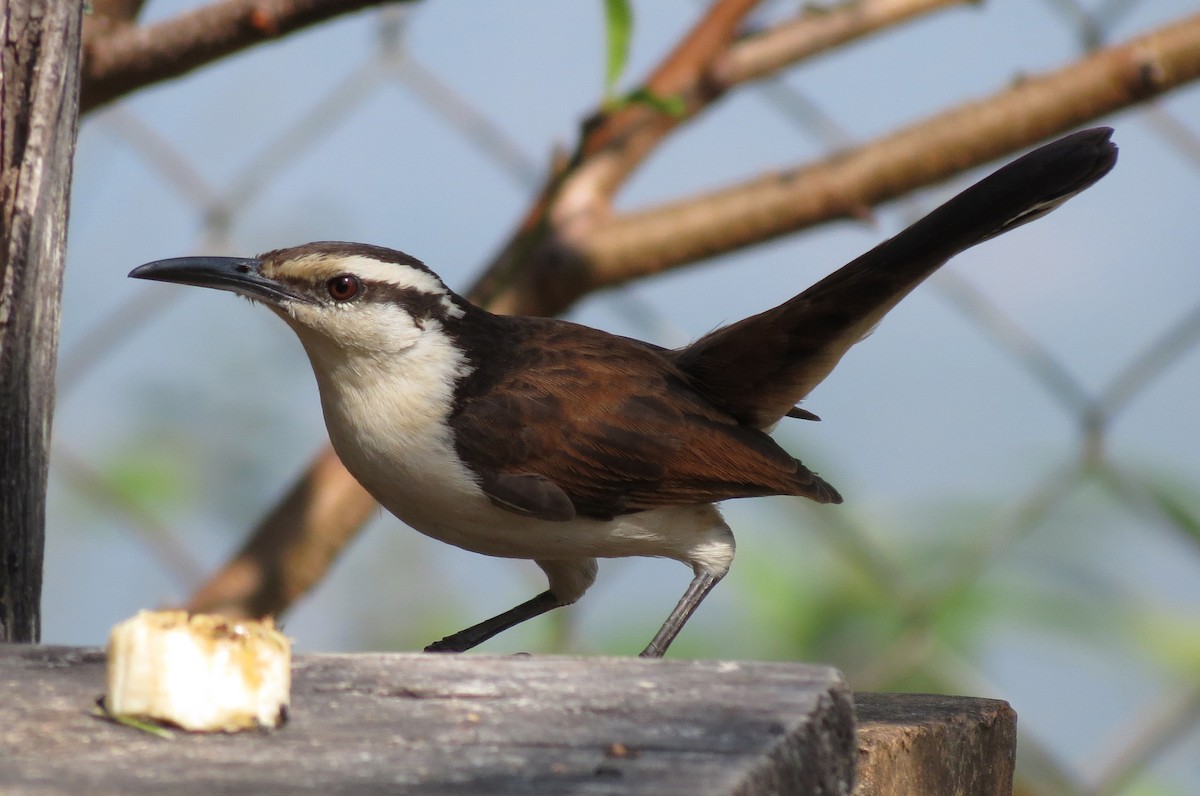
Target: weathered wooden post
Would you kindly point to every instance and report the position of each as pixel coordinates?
(39, 112)
(443, 724)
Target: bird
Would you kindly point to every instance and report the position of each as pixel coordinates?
(542, 439)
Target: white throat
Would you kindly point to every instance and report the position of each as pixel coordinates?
(387, 415)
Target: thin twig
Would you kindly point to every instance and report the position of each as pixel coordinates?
(814, 32)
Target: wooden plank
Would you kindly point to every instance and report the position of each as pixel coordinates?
(431, 724)
(931, 744)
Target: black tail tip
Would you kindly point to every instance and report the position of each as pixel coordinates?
(1095, 144)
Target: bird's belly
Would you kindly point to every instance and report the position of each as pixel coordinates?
(415, 473)
(470, 521)
(437, 496)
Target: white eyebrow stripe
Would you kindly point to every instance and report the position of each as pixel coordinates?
(370, 269)
(400, 276)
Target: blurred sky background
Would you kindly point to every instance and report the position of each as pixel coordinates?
(203, 408)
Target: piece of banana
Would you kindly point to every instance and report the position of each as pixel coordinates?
(201, 672)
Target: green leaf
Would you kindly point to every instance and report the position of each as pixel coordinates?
(672, 106)
(618, 23)
(1168, 636)
(148, 476)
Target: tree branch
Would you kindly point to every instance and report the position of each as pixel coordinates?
(576, 200)
(638, 244)
(613, 143)
(120, 59)
(293, 547)
(813, 32)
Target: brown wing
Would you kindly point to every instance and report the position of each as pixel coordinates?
(613, 424)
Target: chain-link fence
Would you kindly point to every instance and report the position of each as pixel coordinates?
(1017, 443)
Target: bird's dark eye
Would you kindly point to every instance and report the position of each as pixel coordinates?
(344, 287)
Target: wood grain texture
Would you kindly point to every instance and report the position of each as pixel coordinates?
(39, 113)
(932, 744)
(430, 724)
(402, 723)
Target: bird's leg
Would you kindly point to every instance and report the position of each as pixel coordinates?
(697, 590)
(475, 635)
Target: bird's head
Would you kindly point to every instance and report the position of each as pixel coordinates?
(348, 297)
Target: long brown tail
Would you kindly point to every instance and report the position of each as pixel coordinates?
(761, 367)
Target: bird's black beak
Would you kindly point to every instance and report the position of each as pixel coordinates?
(237, 274)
